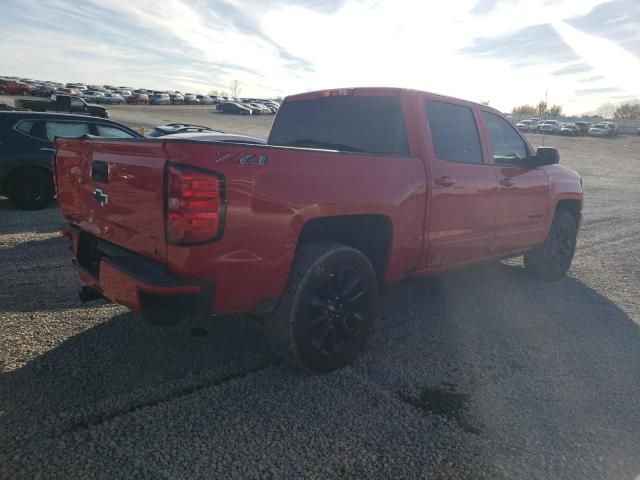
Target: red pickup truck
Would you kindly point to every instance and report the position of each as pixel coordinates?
(355, 188)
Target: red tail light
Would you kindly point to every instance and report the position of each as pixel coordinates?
(194, 205)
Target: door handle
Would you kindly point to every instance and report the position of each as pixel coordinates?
(507, 182)
(46, 149)
(445, 181)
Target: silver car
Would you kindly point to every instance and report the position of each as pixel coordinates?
(599, 130)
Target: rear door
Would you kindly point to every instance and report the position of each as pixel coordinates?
(464, 189)
(523, 191)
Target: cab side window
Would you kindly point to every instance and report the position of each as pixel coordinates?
(454, 132)
(506, 144)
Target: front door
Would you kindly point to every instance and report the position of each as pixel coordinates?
(464, 189)
(524, 191)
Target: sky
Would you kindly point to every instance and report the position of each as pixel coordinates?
(580, 53)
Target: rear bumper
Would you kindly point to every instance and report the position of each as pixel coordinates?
(139, 283)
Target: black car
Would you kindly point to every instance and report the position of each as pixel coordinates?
(27, 151)
(233, 107)
(172, 128)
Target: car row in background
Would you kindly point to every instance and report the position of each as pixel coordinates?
(554, 127)
(112, 95)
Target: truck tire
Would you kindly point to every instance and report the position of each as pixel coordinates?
(30, 189)
(328, 310)
(552, 259)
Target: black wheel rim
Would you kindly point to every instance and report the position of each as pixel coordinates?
(560, 246)
(337, 311)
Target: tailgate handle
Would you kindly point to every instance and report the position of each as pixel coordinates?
(100, 171)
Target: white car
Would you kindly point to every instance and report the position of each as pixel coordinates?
(526, 126)
(111, 98)
(549, 126)
(599, 130)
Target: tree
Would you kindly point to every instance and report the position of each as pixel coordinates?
(607, 110)
(555, 110)
(214, 93)
(235, 89)
(541, 107)
(524, 110)
(628, 110)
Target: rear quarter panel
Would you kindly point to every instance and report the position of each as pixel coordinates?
(268, 205)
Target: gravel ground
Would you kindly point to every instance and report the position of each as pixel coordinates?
(484, 372)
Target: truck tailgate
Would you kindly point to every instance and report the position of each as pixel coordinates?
(114, 191)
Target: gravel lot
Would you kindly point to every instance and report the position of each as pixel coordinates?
(480, 373)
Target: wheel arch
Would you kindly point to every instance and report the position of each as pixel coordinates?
(21, 168)
(369, 233)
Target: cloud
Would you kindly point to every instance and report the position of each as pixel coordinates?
(593, 78)
(574, 68)
(484, 6)
(617, 20)
(538, 44)
(144, 43)
(597, 91)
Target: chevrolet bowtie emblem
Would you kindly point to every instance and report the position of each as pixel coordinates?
(100, 197)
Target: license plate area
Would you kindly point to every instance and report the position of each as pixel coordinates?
(91, 250)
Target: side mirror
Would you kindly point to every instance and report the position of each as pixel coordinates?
(546, 156)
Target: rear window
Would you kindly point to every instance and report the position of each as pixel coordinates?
(345, 123)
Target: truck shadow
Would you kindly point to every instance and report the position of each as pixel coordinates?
(14, 220)
(465, 329)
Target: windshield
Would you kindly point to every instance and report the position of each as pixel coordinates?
(346, 123)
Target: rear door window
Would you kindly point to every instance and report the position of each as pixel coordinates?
(454, 132)
(25, 126)
(346, 123)
(66, 129)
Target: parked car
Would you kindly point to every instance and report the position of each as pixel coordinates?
(159, 99)
(526, 126)
(569, 129)
(94, 96)
(549, 126)
(204, 99)
(11, 87)
(43, 90)
(190, 99)
(124, 93)
(254, 109)
(232, 107)
(172, 128)
(112, 98)
(268, 230)
(613, 129)
(176, 99)
(214, 136)
(601, 130)
(72, 92)
(138, 99)
(583, 127)
(265, 110)
(27, 151)
(62, 104)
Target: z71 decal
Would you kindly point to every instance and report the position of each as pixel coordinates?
(242, 159)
